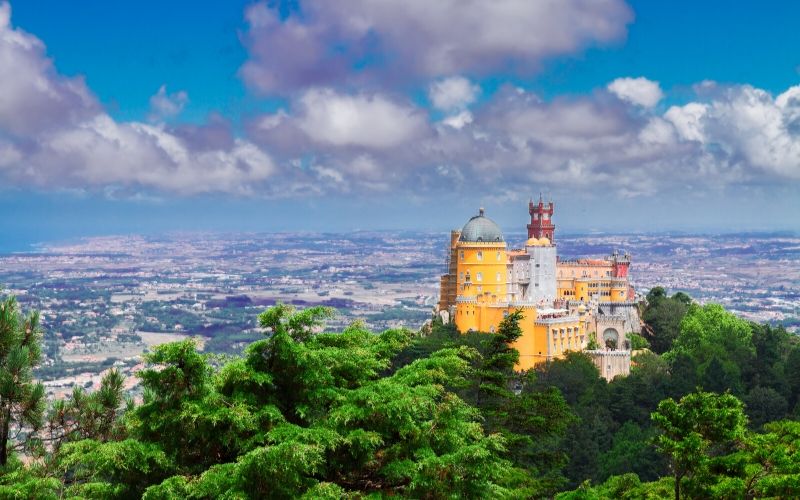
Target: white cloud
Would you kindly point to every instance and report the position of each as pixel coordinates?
(749, 124)
(687, 120)
(459, 120)
(102, 152)
(163, 105)
(421, 38)
(33, 96)
(358, 120)
(453, 94)
(55, 135)
(639, 91)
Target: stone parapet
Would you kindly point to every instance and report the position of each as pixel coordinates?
(611, 363)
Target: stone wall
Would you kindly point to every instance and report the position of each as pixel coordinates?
(611, 363)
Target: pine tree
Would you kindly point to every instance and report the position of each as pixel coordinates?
(21, 399)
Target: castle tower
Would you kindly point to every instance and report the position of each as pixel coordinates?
(482, 274)
(620, 264)
(541, 225)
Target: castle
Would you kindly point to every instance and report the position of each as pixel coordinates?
(565, 303)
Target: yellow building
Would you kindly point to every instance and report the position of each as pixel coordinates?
(476, 293)
(563, 302)
(601, 280)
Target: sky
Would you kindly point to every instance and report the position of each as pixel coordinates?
(310, 115)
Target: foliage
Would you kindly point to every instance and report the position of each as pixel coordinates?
(118, 469)
(21, 399)
(625, 486)
(662, 318)
(637, 341)
(85, 415)
(718, 343)
(440, 414)
(300, 413)
(631, 451)
(694, 432)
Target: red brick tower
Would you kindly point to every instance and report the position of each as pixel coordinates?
(620, 264)
(541, 220)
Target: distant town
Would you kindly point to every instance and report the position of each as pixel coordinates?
(106, 300)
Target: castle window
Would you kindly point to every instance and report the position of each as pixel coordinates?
(498, 256)
(498, 277)
(461, 255)
(479, 277)
(461, 276)
(491, 330)
(480, 255)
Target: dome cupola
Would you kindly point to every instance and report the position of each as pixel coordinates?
(481, 229)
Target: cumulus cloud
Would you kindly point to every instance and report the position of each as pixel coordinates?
(323, 117)
(687, 120)
(33, 96)
(639, 91)
(459, 120)
(401, 40)
(749, 126)
(163, 105)
(355, 138)
(361, 120)
(54, 134)
(516, 139)
(101, 152)
(454, 93)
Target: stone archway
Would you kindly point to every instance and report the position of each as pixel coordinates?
(611, 338)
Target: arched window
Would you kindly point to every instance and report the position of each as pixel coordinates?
(479, 256)
(498, 256)
(478, 276)
(498, 277)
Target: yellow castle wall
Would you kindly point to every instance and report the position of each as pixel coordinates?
(482, 269)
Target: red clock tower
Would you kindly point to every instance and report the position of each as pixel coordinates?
(541, 220)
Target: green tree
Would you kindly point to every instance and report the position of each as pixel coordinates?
(773, 347)
(694, 432)
(498, 364)
(763, 405)
(719, 344)
(578, 379)
(21, 399)
(95, 415)
(637, 341)
(631, 451)
(306, 413)
(768, 465)
(662, 318)
(532, 420)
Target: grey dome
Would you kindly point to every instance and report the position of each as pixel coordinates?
(481, 229)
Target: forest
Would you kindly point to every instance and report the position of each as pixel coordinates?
(709, 411)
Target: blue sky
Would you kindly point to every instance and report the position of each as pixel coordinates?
(158, 116)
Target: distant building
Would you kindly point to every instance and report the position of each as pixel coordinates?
(565, 303)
